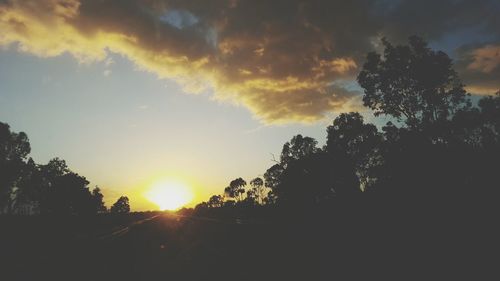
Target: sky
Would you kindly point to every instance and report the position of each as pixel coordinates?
(132, 92)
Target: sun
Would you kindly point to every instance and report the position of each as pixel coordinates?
(169, 194)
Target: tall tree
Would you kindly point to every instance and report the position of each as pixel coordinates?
(317, 178)
(412, 83)
(298, 147)
(270, 198)
(358, 142)
(251, 199)
(69, 194)
(63, 192)
(236, 189)
(98, 200)
(273, 175)
(29, 186)
(14, 148)
(258, 189)
(490, 115)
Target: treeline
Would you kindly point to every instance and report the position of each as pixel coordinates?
(29, 188)
(440, 150)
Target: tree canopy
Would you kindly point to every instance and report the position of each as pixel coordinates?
(121, 206)
(437, 146)
(49, 189)
(412, 83)
(14, 148)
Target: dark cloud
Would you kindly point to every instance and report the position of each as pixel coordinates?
(434, 19)
(478, 64)
(278, 58)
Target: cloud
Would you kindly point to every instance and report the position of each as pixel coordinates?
(480, 66)
(434, 19)
(109, 62)
(475, 22)
(485, 59)
(277, 58)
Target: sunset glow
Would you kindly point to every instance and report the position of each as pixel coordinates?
(169, 194)
(134, 92)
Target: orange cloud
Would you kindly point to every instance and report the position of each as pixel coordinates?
(258, 69)
(485, 59)
(479, 66)
(276, 59)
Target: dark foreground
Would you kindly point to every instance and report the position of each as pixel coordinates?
(164, 246)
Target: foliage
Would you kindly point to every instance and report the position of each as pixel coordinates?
(121, 206)
(298, 147)
(51, 189)
(14, 148)
(216, 201)
(412, 83)
(236, 189)
(439, 150)
(358, 143)
(258, 190)
(98, 200)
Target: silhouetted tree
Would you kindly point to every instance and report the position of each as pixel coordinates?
(317, 178)
(307, 175)
(478, 127)
(49, 189)
(200, 207)
(350, 138)
(69, 194)
(412, 83)
(56, 167)
(98, 200)
(490, 116)
(215, 201)
(270, 198)
(121, 205)
(236, 189)
(258, 189)
(14, 148)
(63, 191)
(28, 190)
(229, 203)
(251, 198)
(297, 148)
(273, 176)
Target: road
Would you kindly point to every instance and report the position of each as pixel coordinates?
(178, 247)
(125, 229)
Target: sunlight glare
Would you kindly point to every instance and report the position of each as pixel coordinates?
(169, 195)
